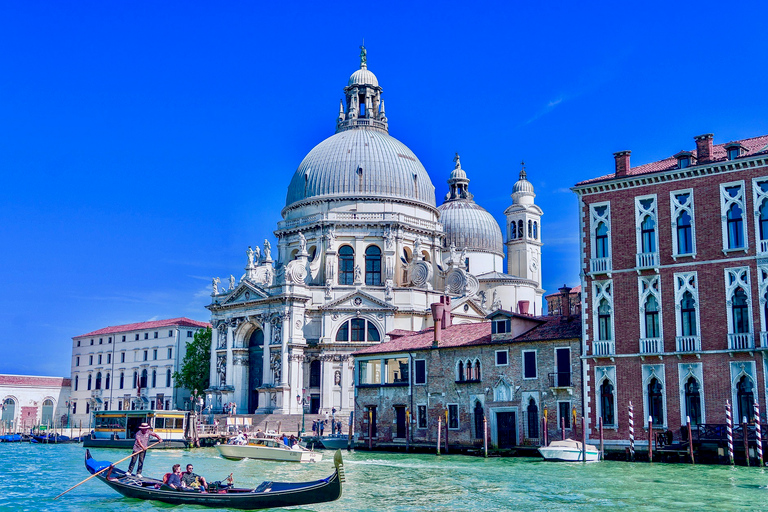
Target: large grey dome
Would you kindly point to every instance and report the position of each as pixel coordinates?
(469, 225)
(361, 163)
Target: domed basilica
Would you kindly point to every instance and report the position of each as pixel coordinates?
(362, 250)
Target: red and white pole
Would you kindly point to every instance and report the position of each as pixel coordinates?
(729, 429)
(631, 432)
(650, 438)
(758, 435)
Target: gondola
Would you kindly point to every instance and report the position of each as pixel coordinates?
(265, 495)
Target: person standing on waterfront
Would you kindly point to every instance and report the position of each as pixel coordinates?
(140, 447)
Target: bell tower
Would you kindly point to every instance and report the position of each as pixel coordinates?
(524, 232)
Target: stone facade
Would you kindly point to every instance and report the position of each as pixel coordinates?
(28, 401)
(129, 367)
(674, 287)
(508, 378)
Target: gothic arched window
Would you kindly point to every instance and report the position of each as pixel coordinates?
(477, 370)
(346, 265)
(693, 401)
(604, 321)
(461, 371)
(606, 402)
(479, 417)
(533, 419)
(740, 312)
(688, 315)
(651, 317)
(745, 398)
(684, 234)
(373, 266)
(655, 402)
(735, 224)
(648, 235)
(601, 241)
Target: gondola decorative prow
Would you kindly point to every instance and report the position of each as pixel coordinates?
(339, 463)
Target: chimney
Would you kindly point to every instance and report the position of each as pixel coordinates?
(704, 147)
(622, 162)
(522, 307)
(437, 315)
(447, 316)
(565, 300)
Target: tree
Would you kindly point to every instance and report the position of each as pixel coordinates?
(196, 368)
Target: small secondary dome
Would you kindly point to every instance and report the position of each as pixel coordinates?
(466, 223)
(523, 186)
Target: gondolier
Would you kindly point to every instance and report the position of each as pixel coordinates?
(140, 447)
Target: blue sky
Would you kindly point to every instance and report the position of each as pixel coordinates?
(144, 146)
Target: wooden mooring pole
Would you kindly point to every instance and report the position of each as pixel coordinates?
(370, 429)
(446, 431)
(729, 430)
(485, 437)
(602, 446)
(583, 440)
(562, 428)
(631, 432)
(745, 429)
(439, 430)
(690, 438)
(407, 430)
(758, 435)
(650, 439)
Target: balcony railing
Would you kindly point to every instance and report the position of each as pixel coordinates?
(764, 338)
(762, 246)
(651, 345)
(560, 380)
(603, 348)
(647, 260)
(600, 265)
(741, 341)
(688, 343)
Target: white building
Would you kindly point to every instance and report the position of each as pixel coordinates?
(129, 367)
(31, 400)
(363, 249)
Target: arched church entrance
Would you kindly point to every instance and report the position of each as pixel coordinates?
(255, 368)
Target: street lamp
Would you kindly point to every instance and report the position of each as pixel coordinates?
(69, 404)
(302, 402)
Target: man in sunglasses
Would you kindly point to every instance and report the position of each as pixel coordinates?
(193, 480)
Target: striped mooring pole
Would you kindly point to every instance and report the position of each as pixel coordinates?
(631, 432)
(758, 435)
(729, 429)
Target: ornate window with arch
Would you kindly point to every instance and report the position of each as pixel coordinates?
(346, 265)
(468, 370)
(739, 303)
(732, 210)
(687, 311)
(600, 237)
(373, 266)
(479, 416)
(358, 330)
(760, 200)
(651, 338)
(745, 399)
(683, 229)
(654, 394)
(606, 403)
(693, 400)
(602, 326)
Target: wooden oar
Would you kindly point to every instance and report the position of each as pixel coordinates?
(106, 468)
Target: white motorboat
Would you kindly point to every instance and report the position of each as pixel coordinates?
(266, 448)
(569, 450)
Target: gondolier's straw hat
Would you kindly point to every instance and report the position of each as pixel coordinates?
(144, 425)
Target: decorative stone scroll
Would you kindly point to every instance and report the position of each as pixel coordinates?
(296, 271)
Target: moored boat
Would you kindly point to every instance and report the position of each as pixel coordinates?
(11, 438)
(116, 429)
(267, 448)
(569, 450)
(335, 441)
(268, 494)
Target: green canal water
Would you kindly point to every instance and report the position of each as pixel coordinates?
(31, 475)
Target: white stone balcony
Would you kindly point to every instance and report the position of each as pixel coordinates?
(651, 345)
(603, 348)
(600, 265)
(688, 343)
(647, 260)
(762, 246)
(741, 341)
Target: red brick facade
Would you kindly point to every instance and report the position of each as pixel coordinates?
(715, 361)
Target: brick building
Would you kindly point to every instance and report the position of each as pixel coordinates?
(507, 370)
(674, 258)
(555, 300)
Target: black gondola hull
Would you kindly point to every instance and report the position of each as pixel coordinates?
(276, 494)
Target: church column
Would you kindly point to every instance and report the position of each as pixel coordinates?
(238, 368)
(296, 379)
(346, 384)
(326, 383)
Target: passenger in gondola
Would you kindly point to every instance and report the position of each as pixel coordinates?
(140, 447)
(174, 480)
(193, 480)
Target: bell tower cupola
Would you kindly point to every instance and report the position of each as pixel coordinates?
(364, 107)
(524, 231)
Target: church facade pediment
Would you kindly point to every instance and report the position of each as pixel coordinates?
(357, 300)
(244, 292)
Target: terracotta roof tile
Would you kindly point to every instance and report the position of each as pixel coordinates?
(155, 324)
(753, 146)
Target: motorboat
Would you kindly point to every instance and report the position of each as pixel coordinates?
(268, 494)
(335, 441)
(569, 450)
(268, 448)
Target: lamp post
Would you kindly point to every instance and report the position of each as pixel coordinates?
(69, 404)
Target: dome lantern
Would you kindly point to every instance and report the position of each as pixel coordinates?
(364, 106)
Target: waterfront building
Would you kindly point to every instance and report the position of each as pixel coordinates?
(31, 400)
(508, 370)
(130, 367)
(362, 249)
(674, 266)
